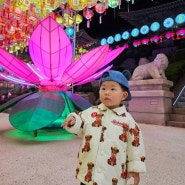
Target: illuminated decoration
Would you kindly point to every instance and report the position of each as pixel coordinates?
(154, 39)
(113, 3)
(168, 22)
(136, 43)
(155, 26)
(180, 34)
(180, 18)
(169, 35)
(79, 19)
(117, 37)
(145, 41)
(103, 41)
(144, 30)
(110, 39)
(77, 4)
(125, 35)
(135, 32)
(69, 31)
(100, 8)
(52, 72)
(88, 14)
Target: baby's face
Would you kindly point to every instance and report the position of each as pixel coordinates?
(112, 94)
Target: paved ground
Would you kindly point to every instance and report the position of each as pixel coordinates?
(33, 162)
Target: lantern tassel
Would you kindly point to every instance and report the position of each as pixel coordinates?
(77, 27)
(100, 20)
(88, 23)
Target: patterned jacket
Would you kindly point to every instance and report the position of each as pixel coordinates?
(112, 145)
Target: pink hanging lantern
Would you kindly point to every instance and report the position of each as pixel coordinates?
(154, 39)
(88, 14)
(180, 34)
(100, 8)
(169, 35)
(145, 41)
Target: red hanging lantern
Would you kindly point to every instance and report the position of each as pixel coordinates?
(100, 8)
(88, 14)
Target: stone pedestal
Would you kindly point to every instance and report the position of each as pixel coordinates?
(151, 101)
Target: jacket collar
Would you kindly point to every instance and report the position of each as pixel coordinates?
(119, 111)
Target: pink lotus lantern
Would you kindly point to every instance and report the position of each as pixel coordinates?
(52, 71)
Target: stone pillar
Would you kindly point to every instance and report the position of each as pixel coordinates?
(151, 101)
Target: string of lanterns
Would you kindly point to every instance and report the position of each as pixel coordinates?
(144, 30)
(18, 18)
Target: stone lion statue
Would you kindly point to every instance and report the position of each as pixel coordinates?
(153, 70)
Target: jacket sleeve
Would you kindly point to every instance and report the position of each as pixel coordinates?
(135, 149)
(77, 128)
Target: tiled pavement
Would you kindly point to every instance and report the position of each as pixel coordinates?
(30, 162)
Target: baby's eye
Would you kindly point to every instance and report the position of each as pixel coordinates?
(113, 89)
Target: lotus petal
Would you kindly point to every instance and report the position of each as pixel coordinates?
(86, 65)
(17, 67)
(37, 111)
(93, 77)
(50, 49)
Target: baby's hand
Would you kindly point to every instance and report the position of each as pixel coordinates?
(135, 176)
(69, 122)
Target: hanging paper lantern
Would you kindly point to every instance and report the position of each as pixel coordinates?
(91, 3)
(69, 31)
(110, 39)
(77, 4)
(180, 18)
(100, 8)
(117, 37)
(88, 14)
(155, 26)
(59, 20)
(180, 34)
(79, 19)
(135, 32)
(113, 3)
(169, 35)
(154, 39)
(168, 22)
(145, 41)
(103, 41)
(144, 30)
(68, 20)
(136, 43)
(125, 35)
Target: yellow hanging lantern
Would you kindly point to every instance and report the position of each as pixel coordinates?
(68, 20)
(59, 20)
(79, 19)
(77, 4)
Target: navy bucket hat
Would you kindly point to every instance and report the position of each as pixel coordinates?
(118, 77)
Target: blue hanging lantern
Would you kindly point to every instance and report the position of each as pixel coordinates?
(180, 18)
(117, 37)
(69, 31)
(103, 41)
(144, 30)
(155, 26)
(110, 40)
(135, 32)
(125, 35)
(168, 22)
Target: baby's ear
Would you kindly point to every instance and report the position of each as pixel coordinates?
(124, 96)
